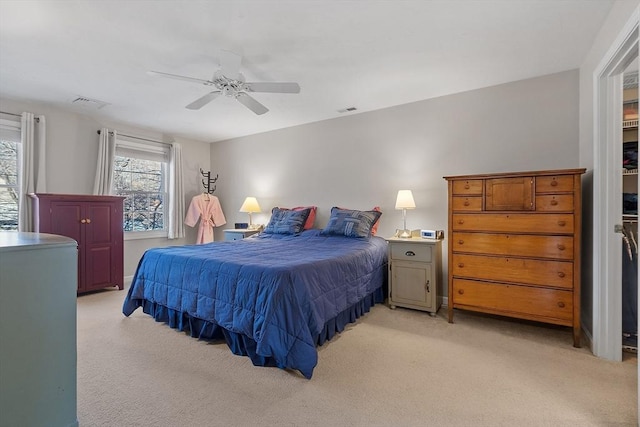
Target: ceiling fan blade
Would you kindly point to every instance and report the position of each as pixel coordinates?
(251, 103)
(273, 87)
(230, 64)
(177, 77)
(201, 102)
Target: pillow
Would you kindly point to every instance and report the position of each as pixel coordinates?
(374, 229)
(350, 223)
(285, 221)
(312, 215)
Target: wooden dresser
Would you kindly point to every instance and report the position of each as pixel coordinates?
(514, 245)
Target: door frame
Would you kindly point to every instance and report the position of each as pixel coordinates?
(607, 196)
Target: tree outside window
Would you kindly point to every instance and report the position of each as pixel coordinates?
(9, 184)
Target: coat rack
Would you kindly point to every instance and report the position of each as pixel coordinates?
(207, 181)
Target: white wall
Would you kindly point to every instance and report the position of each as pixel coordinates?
(72, 150)
(617, 18)
(362, 160)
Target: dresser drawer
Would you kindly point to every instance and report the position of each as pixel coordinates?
(411, 252)
(527, 302)
(555, 247)
(555, 274)
(554, 183)
(461, 203)
(470, 186)
(528, 223)
(554, 203)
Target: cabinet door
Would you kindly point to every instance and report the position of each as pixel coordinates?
(509, 194)
(65, 220)
(101, 248)
(412, 284)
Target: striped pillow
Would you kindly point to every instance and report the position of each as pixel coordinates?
(350, 223)
(285, 221)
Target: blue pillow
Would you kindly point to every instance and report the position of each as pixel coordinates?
(350, 223)
(285, 221)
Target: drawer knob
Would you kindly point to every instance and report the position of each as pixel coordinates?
(466, 203)
(561, 246)
(460, 242)
(466, 186)
(561, 274)
(562, 223)
(461, 291)
(554, 202)
(83, 221)
(461, 221)
(560, 304)
(410, 253)
(461, 265)
(554, 183)
(88, 221)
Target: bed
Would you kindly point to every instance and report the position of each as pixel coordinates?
(273, 297)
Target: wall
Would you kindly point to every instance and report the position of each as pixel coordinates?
(72, 152)
(362, 160)
(612, 26)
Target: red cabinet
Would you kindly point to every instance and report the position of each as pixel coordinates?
(95, 222)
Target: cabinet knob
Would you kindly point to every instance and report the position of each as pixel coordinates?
(410, 253)
(461, 265)
(560, 304)
(466, 203)
(554, 183)
(426, 286)
(562, 223)
(460, 242)
(561, 246)
(83, 221)
(554, 202)
(88, 221)
(461, 291)
(561, 274)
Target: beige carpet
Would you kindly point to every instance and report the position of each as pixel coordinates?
(392, 368)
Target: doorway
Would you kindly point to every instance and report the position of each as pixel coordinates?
(607, 197)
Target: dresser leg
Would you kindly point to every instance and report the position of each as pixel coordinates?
(450, 312)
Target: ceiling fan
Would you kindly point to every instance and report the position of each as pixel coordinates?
(228, 81)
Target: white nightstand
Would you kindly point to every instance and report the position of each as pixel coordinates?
(238, 234)
(414, 273)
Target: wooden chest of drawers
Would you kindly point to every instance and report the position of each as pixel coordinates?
(514, 245)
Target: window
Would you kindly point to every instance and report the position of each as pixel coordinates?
(140, 175)
(10, 161)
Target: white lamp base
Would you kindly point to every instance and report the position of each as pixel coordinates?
(404, 234)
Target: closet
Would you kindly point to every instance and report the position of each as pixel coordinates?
(630, 213)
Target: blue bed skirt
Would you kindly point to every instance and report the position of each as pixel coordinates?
(242, 345)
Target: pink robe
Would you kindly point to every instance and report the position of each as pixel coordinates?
(206, 208)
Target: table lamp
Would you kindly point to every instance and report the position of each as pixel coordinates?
(250, 205)
(405, 201)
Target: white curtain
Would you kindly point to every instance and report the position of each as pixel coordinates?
(104, 168)
(33, 171)
(176, 193)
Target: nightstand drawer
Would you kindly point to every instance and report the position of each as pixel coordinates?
(411, 252)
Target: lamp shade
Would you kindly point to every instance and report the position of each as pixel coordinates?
(405, 200)
(250, 205)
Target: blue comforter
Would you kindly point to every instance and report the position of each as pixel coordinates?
(274, 297)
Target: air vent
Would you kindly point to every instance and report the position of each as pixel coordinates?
(89, 103)
(347, 110)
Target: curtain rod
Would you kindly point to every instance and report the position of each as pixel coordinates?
(37, 119)
(137, 137)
